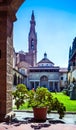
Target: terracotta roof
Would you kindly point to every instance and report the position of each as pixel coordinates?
(23, 64)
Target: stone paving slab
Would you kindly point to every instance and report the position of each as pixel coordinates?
(4, 126)
(23, 123)
(68, 118)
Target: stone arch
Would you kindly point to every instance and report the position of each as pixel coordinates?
(19, 80)
(44, 81)
(15, 79)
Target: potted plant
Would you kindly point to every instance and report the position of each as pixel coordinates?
(42, 101)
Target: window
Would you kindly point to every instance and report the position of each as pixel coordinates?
(32, 44)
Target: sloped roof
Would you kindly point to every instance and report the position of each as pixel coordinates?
(23, 64)
(45, 60)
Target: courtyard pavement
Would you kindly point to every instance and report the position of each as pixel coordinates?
(24, 121)
(29, 126)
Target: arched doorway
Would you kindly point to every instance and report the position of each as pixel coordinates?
(44, 81)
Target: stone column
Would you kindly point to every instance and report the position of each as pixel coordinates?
(53, 85)
(39, 83)
(6, 62)
(58, 87)
(34, 84)
(7, 17)
(48, 85)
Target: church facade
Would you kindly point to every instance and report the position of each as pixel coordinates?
(44, 73)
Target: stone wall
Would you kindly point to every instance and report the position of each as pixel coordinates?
(6, 62)
(9, 74)
(7, 17)
(3, 69)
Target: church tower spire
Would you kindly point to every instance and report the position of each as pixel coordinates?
(32, 22)
(32, 39)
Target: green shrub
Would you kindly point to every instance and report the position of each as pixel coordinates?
(42, 97)
(20, 94)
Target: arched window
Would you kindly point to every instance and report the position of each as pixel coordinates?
(44, 81)
(32, 44)
(44, 78)
(15, 79)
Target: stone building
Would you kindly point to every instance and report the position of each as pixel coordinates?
(72, 62)
(44, 73)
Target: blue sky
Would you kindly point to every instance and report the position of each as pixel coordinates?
(55, 27)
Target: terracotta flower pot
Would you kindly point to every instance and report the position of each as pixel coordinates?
(40, 114)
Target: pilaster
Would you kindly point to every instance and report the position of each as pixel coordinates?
(8, 9)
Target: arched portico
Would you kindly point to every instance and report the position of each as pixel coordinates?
(44, 81)
(8, 10)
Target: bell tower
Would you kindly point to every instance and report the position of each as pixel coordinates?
(32, 40)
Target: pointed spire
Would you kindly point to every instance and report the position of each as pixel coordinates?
(45, 55)
(32, 16)
(32, 22)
